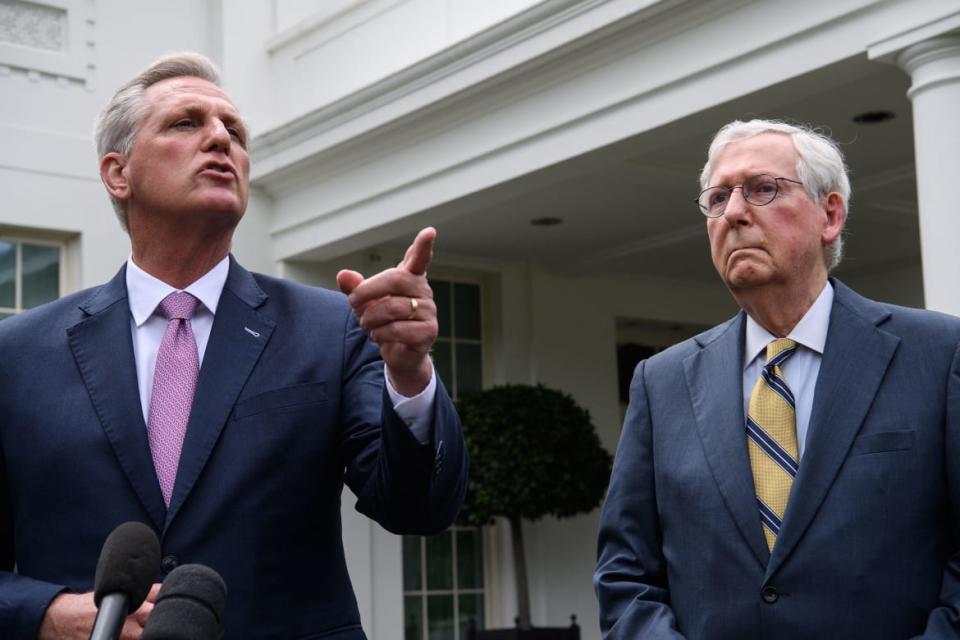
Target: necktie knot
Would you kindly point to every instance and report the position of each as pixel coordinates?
(779, 350)
(179, 305)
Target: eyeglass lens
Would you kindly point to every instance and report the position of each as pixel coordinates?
(757, 190)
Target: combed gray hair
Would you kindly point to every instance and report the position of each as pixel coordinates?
(117, 124)
(820, 166)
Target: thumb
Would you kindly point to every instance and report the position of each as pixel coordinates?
(348, 280)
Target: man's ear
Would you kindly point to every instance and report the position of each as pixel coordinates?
(836, 214)
(113, 175)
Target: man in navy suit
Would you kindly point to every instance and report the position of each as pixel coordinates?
(297, 391)
(808, 490)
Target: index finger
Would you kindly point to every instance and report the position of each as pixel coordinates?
(152, 594)
(418, 256)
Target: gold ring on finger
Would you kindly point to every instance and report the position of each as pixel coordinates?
(414, 305)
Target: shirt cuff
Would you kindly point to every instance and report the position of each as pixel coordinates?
(417, 411)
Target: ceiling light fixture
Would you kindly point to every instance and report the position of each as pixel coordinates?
(546, 221)
(874, 117)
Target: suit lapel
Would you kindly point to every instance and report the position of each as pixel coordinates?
(715, 383)
(103, 350)
(237, 339)
(858, 354)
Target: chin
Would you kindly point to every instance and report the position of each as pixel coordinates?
(740, 279)
(224, 209)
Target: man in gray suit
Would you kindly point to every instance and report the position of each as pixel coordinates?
(795, 471)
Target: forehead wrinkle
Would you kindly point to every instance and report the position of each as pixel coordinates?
(749, 160)
(182, 93)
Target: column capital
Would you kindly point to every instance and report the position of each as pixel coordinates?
(931, 63)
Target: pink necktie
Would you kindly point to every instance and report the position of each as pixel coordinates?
(174, 381)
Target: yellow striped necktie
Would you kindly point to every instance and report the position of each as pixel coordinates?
(772, 439)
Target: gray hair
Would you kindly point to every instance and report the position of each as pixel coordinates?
(117, 124)
(820, 166)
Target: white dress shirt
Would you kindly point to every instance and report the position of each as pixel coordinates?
(144, 293)
(802, 368)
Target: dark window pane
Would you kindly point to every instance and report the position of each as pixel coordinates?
(469, 554)
(471, 612)
(440, 561)
(8, 274)
(41, 274)
(442, 361)
(469, 368)
(413, 617)
(440, 617)
(412, 580)
(466, 299)
(441, 297)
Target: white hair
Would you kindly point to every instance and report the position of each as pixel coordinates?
(820, 165)
(117, 124)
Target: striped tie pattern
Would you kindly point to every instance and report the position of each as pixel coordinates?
(772, 439)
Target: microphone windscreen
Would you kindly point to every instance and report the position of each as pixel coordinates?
(189, 606)
(129, 563)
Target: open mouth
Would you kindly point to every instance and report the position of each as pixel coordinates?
(216, 167)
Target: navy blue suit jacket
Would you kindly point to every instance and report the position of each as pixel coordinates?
(289, 405)
(868, 547)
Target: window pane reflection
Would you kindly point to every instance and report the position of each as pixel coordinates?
(413, 618)
(41, 274)
(469, 571)
(8, 274)
(471, 612)
(466, 311)
(440, 617)
(411, 563)
(440, 562)
(469, 368)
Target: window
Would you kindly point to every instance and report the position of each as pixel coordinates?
(29, 274)
(458, 353)
(443, 583)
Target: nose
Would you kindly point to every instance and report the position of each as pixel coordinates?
(218, 138)
(738, 209)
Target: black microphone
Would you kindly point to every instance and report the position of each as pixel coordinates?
(128, 564)
(189, 606)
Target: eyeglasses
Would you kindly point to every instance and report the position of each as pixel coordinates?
(757, 190)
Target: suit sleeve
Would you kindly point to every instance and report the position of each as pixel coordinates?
(23, 600)
(406, 486)
(631, 578)
(944, 621)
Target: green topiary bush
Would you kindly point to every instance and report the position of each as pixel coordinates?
(533, 452)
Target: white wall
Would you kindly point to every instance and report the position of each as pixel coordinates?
(48, 168)
(318, 53)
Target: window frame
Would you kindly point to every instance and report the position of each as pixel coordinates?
(490, 546)
(18, 241)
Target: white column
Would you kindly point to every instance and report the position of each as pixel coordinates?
(934, 68)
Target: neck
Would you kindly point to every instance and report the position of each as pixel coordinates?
(178, 264)
(180, 250)
(778, 310)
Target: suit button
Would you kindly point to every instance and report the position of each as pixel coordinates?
(169, 563)
(770, 595)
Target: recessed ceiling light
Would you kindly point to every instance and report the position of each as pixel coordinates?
(546, 221)
(874, 117)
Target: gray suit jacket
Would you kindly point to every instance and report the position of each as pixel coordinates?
(869, 542)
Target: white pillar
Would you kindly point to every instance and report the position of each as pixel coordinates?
(934, 68)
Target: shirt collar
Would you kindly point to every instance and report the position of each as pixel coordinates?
(145, 292)
(811, 331)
